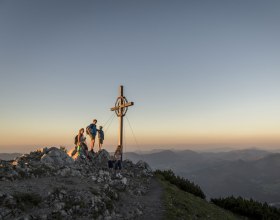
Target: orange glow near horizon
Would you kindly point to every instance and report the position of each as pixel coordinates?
(145, 141)
(182, 130)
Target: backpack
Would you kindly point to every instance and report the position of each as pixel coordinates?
(76, 140)
(88, 128)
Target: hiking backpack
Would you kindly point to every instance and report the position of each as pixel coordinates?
(88, 128)
(76, 140)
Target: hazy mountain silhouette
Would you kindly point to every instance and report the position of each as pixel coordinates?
(250, 173)
(9, 156)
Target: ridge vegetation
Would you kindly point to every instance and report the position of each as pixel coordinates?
(182, 205)
(250, 208)
(184, 199)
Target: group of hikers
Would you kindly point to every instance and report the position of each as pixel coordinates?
(92, 131)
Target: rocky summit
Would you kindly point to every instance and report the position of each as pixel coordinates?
(51, 184)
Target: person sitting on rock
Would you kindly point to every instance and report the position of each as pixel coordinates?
(81, 142)
(118, 161)
(100, 137)
(111, 162)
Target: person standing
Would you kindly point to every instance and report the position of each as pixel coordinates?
(91, 131)
(100, 137)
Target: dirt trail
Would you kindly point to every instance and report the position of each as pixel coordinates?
(151, 202)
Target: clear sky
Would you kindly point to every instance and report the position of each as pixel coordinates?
(201, 73)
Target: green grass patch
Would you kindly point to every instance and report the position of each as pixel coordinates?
(185, 206)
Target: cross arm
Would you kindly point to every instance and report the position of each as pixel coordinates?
(122, 106)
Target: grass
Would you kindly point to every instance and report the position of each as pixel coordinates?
(185, 206)
(27, 200)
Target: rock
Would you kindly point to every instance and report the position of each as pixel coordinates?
(5, 213)
(59, 206)
(78, 172)
(106, 213)
(144, 165)
(124, 181)
(102, 157)
(47, 159)
(43, 217)
(127, 164)
(70, 189)
(27, 217)
(56, 157)
(43, 150)
(15, 163)
(63, 213)
(138, 212)
(64, 172)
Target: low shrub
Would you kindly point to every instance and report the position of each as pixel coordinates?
(249, 208)
(181, 183)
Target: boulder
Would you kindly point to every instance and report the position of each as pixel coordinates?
(143, 165)
(102, 156)
(56, 157)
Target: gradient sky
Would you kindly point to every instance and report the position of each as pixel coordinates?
(201, 73)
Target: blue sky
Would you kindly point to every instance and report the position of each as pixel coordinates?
(200, 72)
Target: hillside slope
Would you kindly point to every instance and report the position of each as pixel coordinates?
(248, 173)
(185, 206)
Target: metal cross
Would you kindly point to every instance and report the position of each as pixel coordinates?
(121, 107)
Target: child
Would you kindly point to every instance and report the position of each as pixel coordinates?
(118, 158)
(100, 137)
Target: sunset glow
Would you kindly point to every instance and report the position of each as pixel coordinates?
(201, 77)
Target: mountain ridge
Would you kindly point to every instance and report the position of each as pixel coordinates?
(250, 173)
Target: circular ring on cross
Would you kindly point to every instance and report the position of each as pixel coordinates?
(121, 109)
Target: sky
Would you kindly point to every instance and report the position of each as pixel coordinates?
(203, 74)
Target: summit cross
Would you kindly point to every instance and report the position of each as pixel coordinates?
(121, 107)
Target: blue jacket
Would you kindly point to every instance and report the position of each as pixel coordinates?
(92, 129)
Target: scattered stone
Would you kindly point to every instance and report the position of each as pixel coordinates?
(69, 186)
(56, 157)
(143, 165)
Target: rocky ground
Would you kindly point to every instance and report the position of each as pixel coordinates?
(50, 184)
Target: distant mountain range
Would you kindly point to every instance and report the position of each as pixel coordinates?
(9, 156)
(250, 173)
